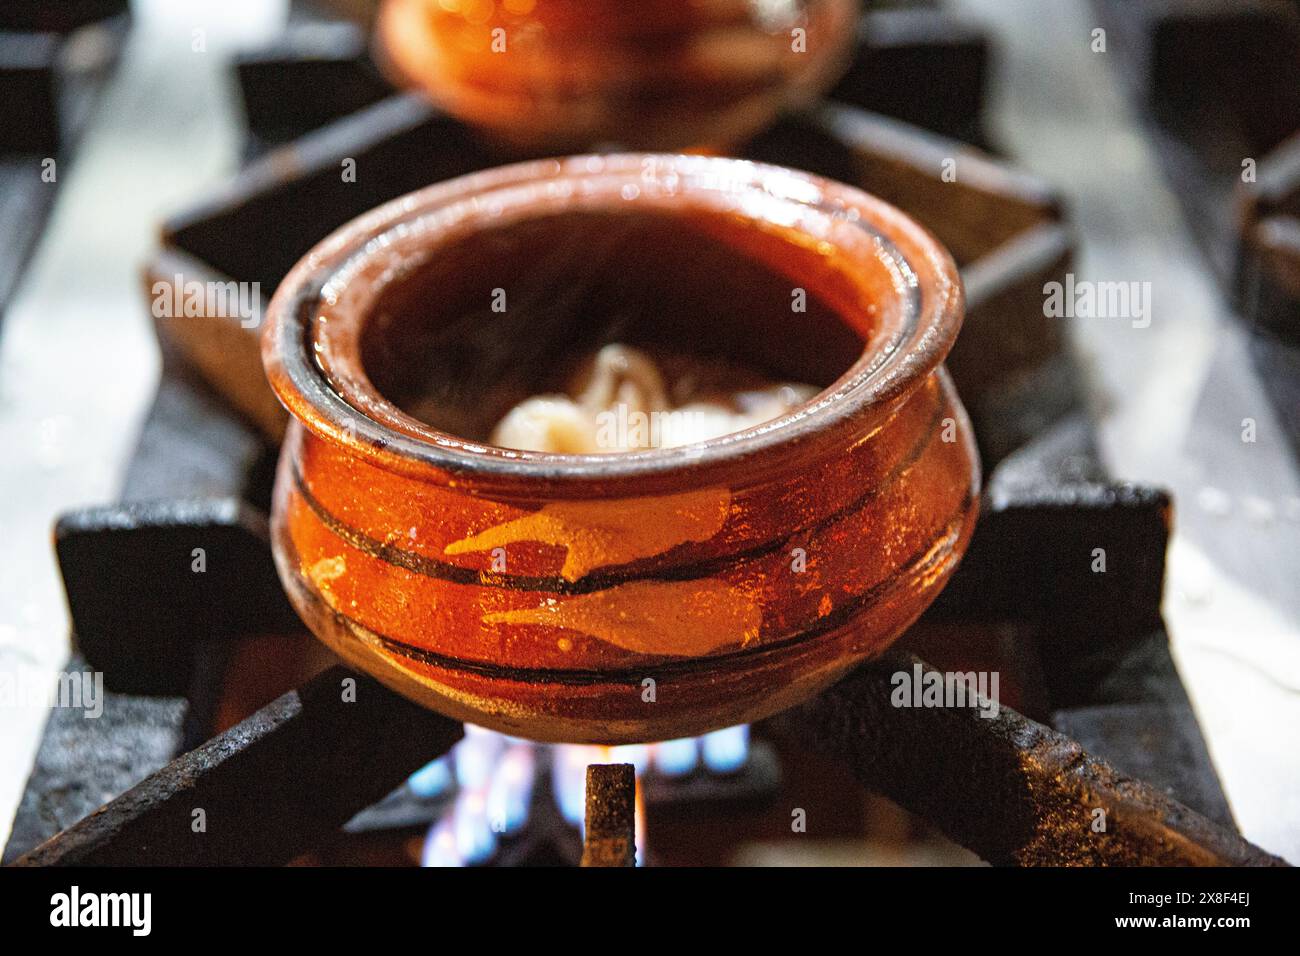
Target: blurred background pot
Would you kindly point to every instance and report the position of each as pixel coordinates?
(561, 75)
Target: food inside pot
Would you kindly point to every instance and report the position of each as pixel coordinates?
(622, 399)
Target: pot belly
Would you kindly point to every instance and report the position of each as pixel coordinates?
(634, 619)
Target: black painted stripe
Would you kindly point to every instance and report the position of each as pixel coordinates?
(600, 580)
(676, 667)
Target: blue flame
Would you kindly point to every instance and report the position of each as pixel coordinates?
(476, 756)
(676, 758)
(475, 840)
(725, 751)
(432, 779)
(511, 792)
(569, 782)
(440, 847)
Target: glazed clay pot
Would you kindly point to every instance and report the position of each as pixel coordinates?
(560, 75)
(634, 596)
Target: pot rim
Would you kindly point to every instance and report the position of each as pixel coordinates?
(355, 415)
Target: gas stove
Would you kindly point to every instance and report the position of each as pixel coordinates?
(1076, 744)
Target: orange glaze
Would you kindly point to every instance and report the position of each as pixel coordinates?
(599, 534)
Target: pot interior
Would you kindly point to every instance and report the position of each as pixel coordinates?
(489, 316)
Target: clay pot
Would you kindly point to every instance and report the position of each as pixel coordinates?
(636, 596)
(561, 75)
